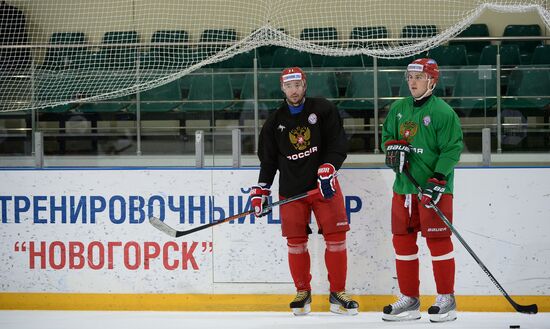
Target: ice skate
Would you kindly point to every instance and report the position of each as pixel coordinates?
(301, 305)
(405, 309)
(444, 309)
(341, 303)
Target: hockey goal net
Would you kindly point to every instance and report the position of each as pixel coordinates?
(56, 52)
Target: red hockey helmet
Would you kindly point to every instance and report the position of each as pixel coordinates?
(292, 73)
(426, 65)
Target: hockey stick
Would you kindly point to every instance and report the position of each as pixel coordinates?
(162, 226)
(528, 309)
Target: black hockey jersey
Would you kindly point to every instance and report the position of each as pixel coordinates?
(297, 145)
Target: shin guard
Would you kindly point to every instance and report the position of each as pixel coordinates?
(336, 260)
(406, 264)
(443, 263)
(299, 262)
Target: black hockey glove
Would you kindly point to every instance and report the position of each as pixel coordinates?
(397, 153)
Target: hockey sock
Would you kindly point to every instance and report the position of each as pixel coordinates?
(406, 264)
(336, 260)
(299, 262)
(443, 263)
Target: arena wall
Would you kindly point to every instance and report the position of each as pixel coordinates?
(195, 16)
(74, 238)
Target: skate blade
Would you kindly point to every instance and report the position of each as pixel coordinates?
(449, 316)
(404, 316)
(302, 310)
(339, 309)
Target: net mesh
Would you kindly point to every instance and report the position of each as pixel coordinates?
(55, 52)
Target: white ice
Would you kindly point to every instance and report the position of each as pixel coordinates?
(249, 320)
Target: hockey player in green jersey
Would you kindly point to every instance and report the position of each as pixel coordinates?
(423, 133)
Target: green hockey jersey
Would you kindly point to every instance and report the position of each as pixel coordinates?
(435, 136)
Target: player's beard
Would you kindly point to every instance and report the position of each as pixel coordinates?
(295, 100)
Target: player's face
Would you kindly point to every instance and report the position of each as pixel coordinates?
(294, 91)
(418, 83)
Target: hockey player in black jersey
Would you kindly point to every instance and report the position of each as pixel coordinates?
(304, 140)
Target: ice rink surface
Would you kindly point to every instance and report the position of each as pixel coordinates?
(246, 320)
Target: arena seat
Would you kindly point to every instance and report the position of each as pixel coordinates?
(288, 57)
(472, 93)
(166, 56)
(473, 48)
(450, 59)
(65, 58)
(322, 84)
(209, 92)
(265, 53)
(541, 55)
(526, 104)
(368, 32)
(343, 61)
(241, 60)
(368, 61)
(528, 82)
(320, 33)
(216, 35)
(117, 57)
(361, 85)
(53, 88)
(165, 98)
(235, 66)
(395, 70)
(527, 47)
(269, 92)
(453, 55)
(509, 55)
(417, 31)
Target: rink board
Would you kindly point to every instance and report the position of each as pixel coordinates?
(236, 302)
(70, 235)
